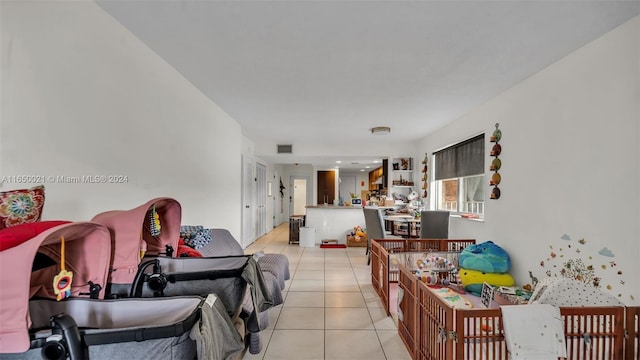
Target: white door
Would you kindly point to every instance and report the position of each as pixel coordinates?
(248, 201)
(301, 196)
(261, 200)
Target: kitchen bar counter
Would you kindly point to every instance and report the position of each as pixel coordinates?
(333, 207)
(333, 222)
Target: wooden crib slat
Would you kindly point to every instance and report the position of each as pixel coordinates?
(604, 327)
(632, 325)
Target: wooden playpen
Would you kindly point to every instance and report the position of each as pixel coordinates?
(431, 329)
(384, 272)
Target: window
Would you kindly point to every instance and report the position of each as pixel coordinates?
(459, 177)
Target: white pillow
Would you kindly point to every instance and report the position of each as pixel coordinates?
(570, 293)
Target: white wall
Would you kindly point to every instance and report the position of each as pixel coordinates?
(81, 95)
(361, 178)
(347, 185)
(570, 164)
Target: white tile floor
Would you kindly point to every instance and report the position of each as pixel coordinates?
(330, 309)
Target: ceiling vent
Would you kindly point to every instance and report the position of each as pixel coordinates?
(285, 149)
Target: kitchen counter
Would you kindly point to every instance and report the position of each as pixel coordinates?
(333, 222)
(332, 207)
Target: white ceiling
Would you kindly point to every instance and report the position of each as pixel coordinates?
(317, 74)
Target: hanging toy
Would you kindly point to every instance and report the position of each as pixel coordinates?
(154, 221)
(62, 281)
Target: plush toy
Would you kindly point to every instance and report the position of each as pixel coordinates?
(485, 257)
(186, 251)
(358, 233)
(472, 280)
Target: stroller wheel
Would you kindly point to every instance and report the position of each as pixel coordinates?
(157, 282)
(54, 350)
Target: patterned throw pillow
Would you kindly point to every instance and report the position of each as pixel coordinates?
(21, 206)
(195, 236)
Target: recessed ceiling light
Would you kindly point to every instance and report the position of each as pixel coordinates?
(380, 130)
(367, 167)
(338, 162)
(361, 169)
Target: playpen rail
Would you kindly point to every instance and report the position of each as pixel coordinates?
(408, 307)
(443, 332)
(383, 272)
(632, 341)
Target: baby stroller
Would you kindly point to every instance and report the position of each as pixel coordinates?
(153, 229)
(81, 325)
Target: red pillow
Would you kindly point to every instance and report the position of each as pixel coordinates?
(21, 206)
(18, 234)
(186, 251)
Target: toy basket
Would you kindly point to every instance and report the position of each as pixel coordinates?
(359, 242)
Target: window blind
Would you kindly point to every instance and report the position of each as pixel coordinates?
(465, 158)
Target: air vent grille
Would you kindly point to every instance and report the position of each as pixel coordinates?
(285, 149)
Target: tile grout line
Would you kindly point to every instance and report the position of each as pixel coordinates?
(354, 270)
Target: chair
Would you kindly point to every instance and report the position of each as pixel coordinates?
(434, 224)
(375, 229)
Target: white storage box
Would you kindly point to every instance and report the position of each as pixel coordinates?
(307, 237)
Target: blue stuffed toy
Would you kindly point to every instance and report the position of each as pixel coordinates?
(485, 257)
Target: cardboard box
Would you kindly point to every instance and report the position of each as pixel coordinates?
(389, 202)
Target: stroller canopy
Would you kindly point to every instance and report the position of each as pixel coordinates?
(87, 251)
(131, 234)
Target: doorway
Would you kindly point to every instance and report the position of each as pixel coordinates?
(261, 200)
(300, 196)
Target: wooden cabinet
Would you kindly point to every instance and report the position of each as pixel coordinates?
(326, 187)
(375, 177)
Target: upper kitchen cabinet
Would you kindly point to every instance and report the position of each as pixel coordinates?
(376, 179)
